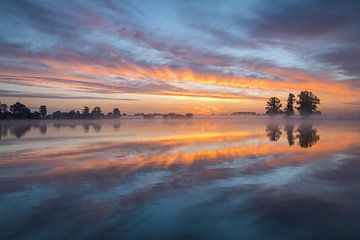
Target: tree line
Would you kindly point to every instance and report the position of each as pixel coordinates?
(306, 105)
(21, 111)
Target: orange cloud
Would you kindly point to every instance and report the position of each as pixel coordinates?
(169, 81)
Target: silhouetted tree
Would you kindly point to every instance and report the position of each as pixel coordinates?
(273, 132)
(86, 112)
(175, 116)
(289, 129)
(307, 103)
(96, 112)
(57, 115)
(189, 115)
(73, 115)
(149, 116)
(273, 106)
(289, 109)
(20, 111)
(4, 112)
(43, 111)
(307, 135)
(116, 113)
(35, 115)
(3, 107)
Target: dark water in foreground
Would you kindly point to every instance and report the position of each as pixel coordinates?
(186, 179)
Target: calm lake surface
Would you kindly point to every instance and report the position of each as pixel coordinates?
(180, 179)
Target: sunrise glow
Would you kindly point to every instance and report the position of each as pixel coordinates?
(149, 56)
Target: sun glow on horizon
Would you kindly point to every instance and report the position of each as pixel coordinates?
(114, 57)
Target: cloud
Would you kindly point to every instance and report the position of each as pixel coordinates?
(346, 60)
(252, 48)
(21, 94)
(306, 19)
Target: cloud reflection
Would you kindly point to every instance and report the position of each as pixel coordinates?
(212, 169)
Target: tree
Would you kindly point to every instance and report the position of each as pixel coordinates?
(72, 114)
(20, 111)
(43, 111)
(307, 103)
(189, 115)
(289, 109)
(86, 111)
(273, 106)
(116, 113)
(35, 115)
(58, 115)
(4, 113)
(96, 112)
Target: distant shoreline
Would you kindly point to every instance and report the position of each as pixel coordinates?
(198, 117)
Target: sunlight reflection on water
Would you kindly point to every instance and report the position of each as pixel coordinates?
(161, 179)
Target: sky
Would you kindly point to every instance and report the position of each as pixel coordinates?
(179, 55)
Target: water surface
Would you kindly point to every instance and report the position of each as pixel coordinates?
(180, 179)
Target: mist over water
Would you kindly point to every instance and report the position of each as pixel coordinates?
(180, 179)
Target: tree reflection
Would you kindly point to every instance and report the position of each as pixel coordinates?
(43, 129)
(57, 125)
(20, 131)
(289, 129)
(86, 128)
(3, 131)
(97, 127)
(273, 132)
(307, 135)
(116, 126)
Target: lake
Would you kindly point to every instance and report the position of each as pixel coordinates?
(180, 179)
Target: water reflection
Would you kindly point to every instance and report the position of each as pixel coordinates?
(116, 126)
(307, 135)
(273, 132)
(3, 131)
(86, 128)
(20, 130)
(289, 129)
(17, 131)
(97, 127)
(43, 129)
(179, 180)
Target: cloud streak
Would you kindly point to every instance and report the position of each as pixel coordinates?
(246, 51)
